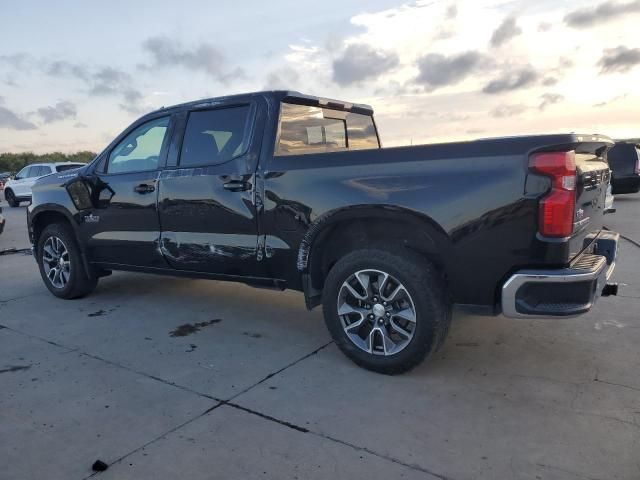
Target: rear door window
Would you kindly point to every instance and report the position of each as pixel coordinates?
(213, 137)
(305, 129)
(35, 171)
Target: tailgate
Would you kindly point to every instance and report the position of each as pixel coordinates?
(593, 177)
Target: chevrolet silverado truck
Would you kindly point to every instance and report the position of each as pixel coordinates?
(285, 190)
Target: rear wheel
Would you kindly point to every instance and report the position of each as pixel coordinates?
(11, 198)
(61, 264)
(386, 309)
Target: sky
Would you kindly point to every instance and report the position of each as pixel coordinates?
(74, 74)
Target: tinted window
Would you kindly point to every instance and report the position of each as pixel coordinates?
(44, 170)
(215, 136)
(34, 171)
(362, 132)
(140, 150)
(62, 168)
(305, 129)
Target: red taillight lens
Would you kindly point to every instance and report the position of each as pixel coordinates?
(557, 208)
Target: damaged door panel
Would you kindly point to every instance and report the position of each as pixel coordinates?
(207, 202)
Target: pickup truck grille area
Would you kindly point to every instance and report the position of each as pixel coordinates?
(592, 180)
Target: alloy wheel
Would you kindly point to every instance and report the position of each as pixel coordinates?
(56, 262)
(376, 312)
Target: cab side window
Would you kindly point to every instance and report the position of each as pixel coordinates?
(305, 129)
(141, 149)
(215, 136)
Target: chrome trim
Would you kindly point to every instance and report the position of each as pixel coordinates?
(511, 286)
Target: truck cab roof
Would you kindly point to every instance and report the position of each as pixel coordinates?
(291, 96)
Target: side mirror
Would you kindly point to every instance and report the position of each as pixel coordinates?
(17, 177)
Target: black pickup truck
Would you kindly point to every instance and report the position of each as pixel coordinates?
(285, 190)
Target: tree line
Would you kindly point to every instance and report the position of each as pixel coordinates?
(13, 162)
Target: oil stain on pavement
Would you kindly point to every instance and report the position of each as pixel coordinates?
(189, 328)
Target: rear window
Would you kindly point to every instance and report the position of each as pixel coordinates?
(305, 129)
(62, 168)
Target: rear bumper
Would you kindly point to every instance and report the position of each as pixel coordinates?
(562, 292)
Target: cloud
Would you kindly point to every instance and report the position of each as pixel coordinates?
(166, 52)
(505, 111)
(619, 60)
(514, 80)
(604, 12)
(11, 121)
(109, 81)
(361, 62)
(544, 26)
(550, 99)
(60, 111)
(505, 32)
(283, 79)
(437, 70)
(62, 68)
(452, 12)
(19, 61)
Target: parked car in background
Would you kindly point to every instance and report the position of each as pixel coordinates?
(285, 190)
(19, 188)
(624, 161)
(4, 176)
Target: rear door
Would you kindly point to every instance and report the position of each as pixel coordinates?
(123, 226)
(207, 192)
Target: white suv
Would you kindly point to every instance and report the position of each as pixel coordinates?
(18, 189)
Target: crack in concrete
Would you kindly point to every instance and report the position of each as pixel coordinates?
(230, 404)
(564, 470)
(159, 437)
(271, 375)
(617, 384)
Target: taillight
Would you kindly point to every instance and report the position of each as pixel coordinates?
(557, 208)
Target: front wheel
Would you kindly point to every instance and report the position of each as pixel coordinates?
(10, 197)
(61, 264)
(387, 310)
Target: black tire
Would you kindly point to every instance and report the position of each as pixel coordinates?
(426, 288)
(11, 198)
(79, 283)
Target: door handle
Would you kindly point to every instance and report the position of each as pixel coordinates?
(237, 186)
(144, 188)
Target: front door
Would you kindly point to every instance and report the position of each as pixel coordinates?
(123, 226)
(206, 201)
(21, 184)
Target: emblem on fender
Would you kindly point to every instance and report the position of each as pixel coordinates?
(91, 218)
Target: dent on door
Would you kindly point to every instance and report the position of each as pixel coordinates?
(208, 221)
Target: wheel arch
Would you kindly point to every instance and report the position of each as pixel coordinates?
(46, 215)
(338, 232)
